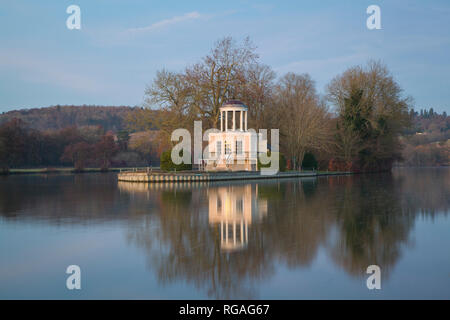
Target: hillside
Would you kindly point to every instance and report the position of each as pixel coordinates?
(59, 117)
(427, 141)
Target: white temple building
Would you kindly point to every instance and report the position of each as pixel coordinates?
(234, 148)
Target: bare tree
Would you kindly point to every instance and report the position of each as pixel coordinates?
(257, 92)
(230, 71)
(219, 76)
(302, 117)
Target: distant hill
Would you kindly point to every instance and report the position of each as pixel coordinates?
(427, 141)
(58, 117)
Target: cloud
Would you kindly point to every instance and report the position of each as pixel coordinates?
(166, 22)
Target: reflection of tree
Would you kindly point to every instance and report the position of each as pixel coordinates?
(297, 222)
(377, 212)
(424, 191)
(360, 220)
(185, 247)
(62, 199)
(371, 222)
(190, 247)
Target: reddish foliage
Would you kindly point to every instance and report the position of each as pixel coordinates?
(78, 153)
(104, 150)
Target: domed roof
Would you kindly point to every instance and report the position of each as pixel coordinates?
(234, 104)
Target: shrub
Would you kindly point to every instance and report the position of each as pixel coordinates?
(281, 161)
(168, 165)
(166, 161)
(309, 161)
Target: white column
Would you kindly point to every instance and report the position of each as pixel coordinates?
(221, 120)
(226, 231)
(245, 120)
(234, 120)
(226, 120)
(246, 232)
(242, 230)
(241, 115)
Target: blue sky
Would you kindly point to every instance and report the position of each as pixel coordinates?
(123, 43)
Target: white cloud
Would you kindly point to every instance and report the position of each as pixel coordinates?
(166, 22)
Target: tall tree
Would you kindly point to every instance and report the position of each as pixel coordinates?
(123, 136)
(257, 92)
(145, 143)
(78, 154)
(104, 150)
(220, 76)
(229, 71)
(171, 93)
(370, 105)
(301, 116)
(13, 137)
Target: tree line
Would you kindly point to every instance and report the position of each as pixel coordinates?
(91, 146)
(362, 122)
(22, 146)
(60, 117)
(354, 126)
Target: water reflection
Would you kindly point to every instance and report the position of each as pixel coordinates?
(232, 209)
(254, 227)
(184, 242)
(226, 239)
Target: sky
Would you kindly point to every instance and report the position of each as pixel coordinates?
(123, 43)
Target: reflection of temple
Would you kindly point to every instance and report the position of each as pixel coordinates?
(233, 209)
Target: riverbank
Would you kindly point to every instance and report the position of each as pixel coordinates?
(59, 170)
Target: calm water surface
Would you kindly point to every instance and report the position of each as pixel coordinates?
(286, 239)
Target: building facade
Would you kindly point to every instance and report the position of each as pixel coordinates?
(234, 147)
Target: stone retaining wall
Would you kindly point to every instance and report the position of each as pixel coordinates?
(150, 177)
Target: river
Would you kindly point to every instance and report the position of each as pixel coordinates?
(304, 238)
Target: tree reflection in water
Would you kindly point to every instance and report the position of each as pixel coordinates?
(226, 237)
